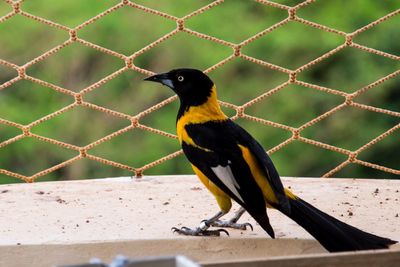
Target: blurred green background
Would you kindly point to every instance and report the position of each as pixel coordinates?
(127, 30)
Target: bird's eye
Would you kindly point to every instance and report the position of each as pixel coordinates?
(180, 78)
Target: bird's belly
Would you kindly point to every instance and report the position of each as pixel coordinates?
(223, 200)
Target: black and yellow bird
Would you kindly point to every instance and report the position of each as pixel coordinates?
(233, 165)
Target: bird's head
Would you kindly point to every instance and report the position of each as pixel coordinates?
(192, 86)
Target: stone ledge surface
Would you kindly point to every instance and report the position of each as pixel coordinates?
(72, 221)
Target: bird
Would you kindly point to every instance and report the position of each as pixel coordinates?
(232, 165)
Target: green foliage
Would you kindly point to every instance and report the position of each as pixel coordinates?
(127, 30)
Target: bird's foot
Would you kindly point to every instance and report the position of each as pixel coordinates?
(198, 231)
(231, 224)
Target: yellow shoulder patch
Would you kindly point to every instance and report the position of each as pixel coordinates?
(259, 176)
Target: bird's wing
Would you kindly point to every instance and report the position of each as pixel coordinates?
(218, 169)
(270, 172)
(224, 138)
(215, 152)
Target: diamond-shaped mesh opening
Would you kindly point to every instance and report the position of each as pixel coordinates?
(291, 160)
(31, 155)
(307, 43)
(177, 8)
(127, 93)
(79, 170)
(75, 67)
(230, 112)
(180, 51)
(349, 70)
(24, 102)
(254, 17)
(387, 149)
(239, 80)
(308, 104)
(73, 127)
(347, 15)
(360, 171)
(346, 128)
(384, 36)
(23, 39)
(170, 111)
(111, 31)
(6, 74)
(136, 142)
(66, 13)
(385, 95)
(7, 132)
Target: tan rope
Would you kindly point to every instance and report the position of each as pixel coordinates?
(349, 99)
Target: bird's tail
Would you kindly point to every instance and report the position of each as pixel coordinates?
(333, 234)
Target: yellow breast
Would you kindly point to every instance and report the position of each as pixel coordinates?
(209, 111)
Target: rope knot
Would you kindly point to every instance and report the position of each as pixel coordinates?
(292, 77)
(292, 13)
(26, 130)
(181, 24)
(22, 72)
(78, 99)
(349, 39)
(73, 35)
(134, 122)
(352, 157)
(296, 134)
(83, 153)
(138, 173)
(129, 63)
(17, 7)
(236, 50)
(349, 100)
(240, 112)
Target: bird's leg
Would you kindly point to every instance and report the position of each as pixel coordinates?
(202, 229)
(232, 223)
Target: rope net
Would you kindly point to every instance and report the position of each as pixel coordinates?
(237, 52)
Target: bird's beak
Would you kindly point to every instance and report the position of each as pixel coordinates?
(162, 78)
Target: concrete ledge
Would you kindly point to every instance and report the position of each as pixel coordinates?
(69, 222)
(381, 258)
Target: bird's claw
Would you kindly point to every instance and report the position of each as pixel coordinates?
(198, 232)
(230, 224)
(249, 225)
